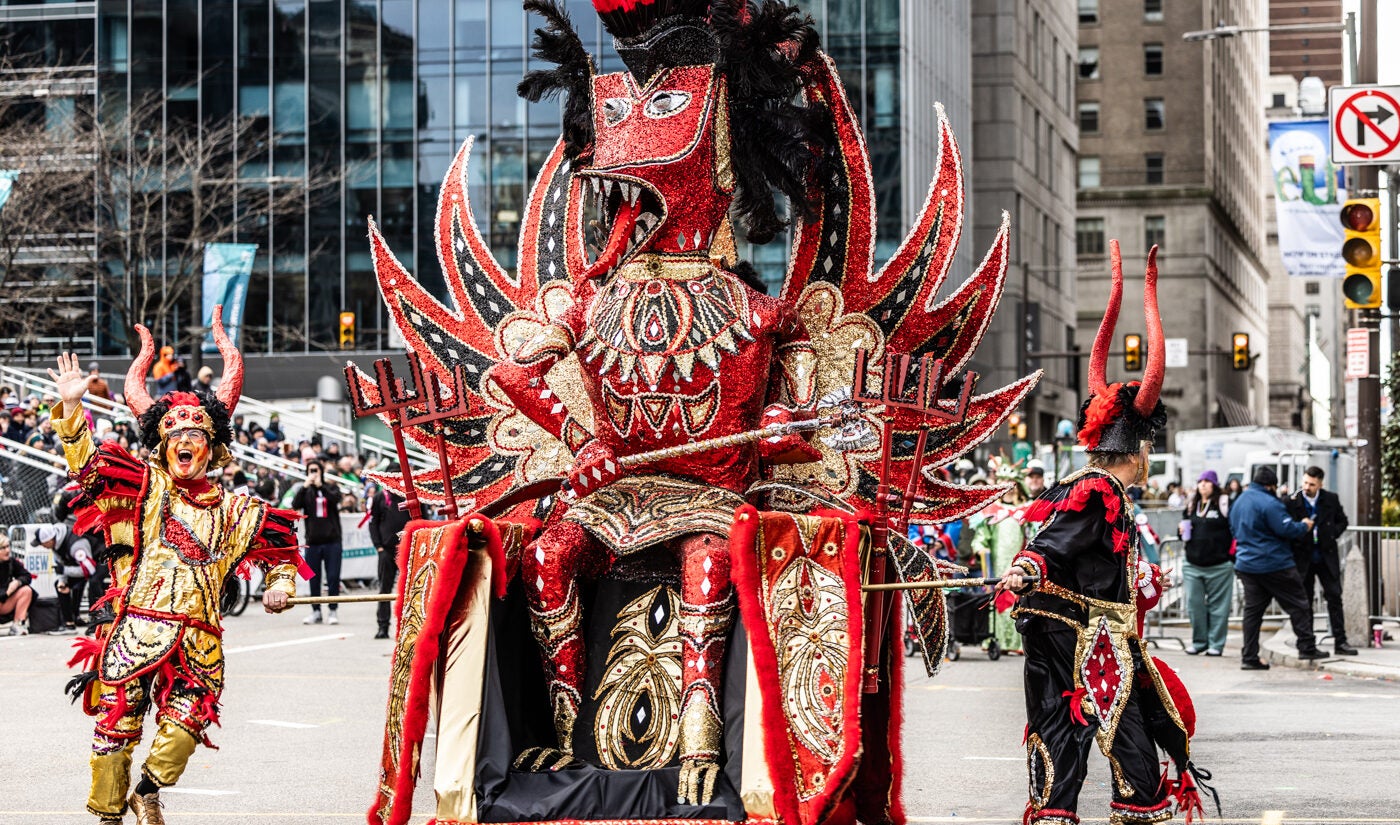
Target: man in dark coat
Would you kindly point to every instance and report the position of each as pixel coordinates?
(318, 501)
(1264, 534)
(1316, 553)
(387, 518)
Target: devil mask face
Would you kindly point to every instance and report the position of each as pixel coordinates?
(187, 453)
(660, 165)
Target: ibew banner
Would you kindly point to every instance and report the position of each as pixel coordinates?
(7, 182)
(227, 269)
(1307, 193)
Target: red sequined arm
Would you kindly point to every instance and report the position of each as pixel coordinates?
(791, 392)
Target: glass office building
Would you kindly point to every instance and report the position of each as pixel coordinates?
(387, 90)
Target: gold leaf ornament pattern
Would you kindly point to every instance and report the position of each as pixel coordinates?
(639, 696)
(812, 644)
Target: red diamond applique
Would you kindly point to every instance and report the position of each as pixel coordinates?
(1103, 674)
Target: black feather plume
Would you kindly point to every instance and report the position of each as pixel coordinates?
(766, 54)
(557, 42)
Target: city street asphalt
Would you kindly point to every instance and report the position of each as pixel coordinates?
(304, 709)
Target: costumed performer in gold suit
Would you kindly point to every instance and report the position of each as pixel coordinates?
(173, 537)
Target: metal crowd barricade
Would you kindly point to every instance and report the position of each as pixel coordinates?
(1380, 547)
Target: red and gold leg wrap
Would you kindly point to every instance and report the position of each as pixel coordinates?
(550, 569)
(706, 616)
(118, 729)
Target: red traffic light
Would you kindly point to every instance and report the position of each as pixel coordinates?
(1358, 216)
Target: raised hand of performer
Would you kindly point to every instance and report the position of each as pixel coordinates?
(73, 383)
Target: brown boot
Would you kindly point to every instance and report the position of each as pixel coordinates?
(147, 808)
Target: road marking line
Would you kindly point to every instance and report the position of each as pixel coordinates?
(198, 792)
(995, 758)
(278, 724)
(229, 651)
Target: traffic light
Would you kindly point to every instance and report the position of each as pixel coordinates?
(1362, 252)
(347, 330)
(1014, 427)
(1239, 350)
(1132, 352)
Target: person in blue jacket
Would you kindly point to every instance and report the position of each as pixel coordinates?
(1264, 535)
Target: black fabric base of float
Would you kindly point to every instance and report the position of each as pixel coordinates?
(515, 715)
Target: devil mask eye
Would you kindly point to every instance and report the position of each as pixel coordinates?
(665, 104)
(616, 110)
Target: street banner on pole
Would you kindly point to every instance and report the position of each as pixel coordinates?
(1307, 191)
(7, 182)
(227, 269)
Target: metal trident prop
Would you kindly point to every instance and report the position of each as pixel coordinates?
(895, 394)
(437, 411)
(394, 399)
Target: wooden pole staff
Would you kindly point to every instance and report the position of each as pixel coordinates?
(942, 584)
(372, 597)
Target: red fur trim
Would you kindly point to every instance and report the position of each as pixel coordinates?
(894, 646)
(1102, 411)
(747, 587)
(1140, 809)
(452, 563)
(1076, 705)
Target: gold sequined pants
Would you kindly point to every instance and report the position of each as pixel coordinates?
(180, 722)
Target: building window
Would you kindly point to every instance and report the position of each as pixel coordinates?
(1312, 288)
(1088, 12)
(1088, 236)
(1152, 11)
(1152, 59)
(1089, 172)
(1280, 101)
(1155, 109)
(1089, 117)
(1088, 63)
(1154, 168)
(1154, 231)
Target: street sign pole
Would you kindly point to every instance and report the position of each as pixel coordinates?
(1368, 388)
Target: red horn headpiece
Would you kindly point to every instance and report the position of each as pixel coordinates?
(1156, 342)
(231, 384)
(137, 399)
(1098, 358)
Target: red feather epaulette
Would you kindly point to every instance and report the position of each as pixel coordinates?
(1075, 495)
(275, 543)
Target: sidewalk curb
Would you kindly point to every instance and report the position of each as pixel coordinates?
(1281, 649)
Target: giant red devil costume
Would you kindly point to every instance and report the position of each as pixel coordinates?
(661, 344)
(171, 538)
(1087, 674)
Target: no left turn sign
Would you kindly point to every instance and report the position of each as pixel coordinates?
(1365, 124)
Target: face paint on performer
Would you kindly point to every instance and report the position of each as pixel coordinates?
(187, 453)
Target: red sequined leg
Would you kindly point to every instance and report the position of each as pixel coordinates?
(706, 616)
(550, 568)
